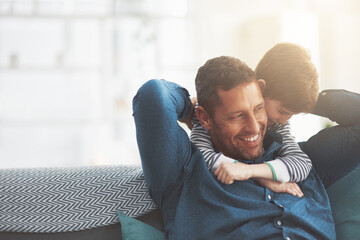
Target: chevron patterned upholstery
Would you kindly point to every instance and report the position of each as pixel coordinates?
(48, 200)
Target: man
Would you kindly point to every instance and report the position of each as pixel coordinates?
(194, 204)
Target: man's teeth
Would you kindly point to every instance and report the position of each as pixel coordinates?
(251, 139)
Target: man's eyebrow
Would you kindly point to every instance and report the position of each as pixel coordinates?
(235, 112)
(240, 111)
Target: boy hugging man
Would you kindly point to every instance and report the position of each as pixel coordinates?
(289, 83)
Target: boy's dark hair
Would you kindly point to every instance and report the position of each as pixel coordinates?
(222, 72)
(290, 76)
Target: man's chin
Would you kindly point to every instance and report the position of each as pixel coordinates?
(253, 155)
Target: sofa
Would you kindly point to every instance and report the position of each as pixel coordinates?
(112, 202)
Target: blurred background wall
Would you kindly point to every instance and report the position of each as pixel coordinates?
(69, 68)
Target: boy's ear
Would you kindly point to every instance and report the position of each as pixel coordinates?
(204, 118)
(262, 84)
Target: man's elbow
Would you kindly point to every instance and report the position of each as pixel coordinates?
(149, 94)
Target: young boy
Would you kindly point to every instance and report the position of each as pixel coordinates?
(289, 83)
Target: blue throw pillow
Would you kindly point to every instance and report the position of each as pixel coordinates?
(344, 198)
(133, 229)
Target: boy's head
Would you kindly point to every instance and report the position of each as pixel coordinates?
(290, 83)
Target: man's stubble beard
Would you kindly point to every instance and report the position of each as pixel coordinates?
(238, 153)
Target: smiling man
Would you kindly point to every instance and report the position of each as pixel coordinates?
(238, 121)
(193, 203)
(233, 112)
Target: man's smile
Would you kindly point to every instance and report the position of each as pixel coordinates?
(251, 139)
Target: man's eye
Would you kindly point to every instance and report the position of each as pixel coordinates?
(239, 115)
(259, 108)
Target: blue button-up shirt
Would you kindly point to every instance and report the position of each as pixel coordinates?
(200, 207)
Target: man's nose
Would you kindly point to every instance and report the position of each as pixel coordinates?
(252, 125)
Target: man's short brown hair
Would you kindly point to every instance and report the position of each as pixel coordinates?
(290, 76)
(222, 72)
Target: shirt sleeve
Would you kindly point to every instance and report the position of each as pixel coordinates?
(201, 138)
(291, 157)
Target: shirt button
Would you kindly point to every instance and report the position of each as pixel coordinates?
(269, 197)
(278, 222)
(287, 238)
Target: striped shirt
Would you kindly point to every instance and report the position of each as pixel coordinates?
(291, 164)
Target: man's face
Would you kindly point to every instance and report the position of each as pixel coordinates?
(238, 122)
(276, 113)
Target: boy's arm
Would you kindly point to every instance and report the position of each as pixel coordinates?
(335, 151)
(292, 164)
(229, 172)
(339, 106)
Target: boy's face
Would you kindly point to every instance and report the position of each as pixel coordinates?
(276, 113)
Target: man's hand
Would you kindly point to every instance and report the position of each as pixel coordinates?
(187, 119)
(228, 172)
(279, 187)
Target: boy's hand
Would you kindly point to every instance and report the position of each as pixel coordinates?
(279, 187)
(228, 172)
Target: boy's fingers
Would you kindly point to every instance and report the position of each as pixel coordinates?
(300, 193)
(298, 190)
(223, 178)
(217, 170)
(220, 175)
(229, 181)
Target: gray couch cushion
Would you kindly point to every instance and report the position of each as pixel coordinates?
(50, 200)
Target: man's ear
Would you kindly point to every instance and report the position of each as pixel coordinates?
(262, 84)
(204, 118)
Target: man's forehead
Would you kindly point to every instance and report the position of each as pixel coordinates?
(248, 92)
(241, 88)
